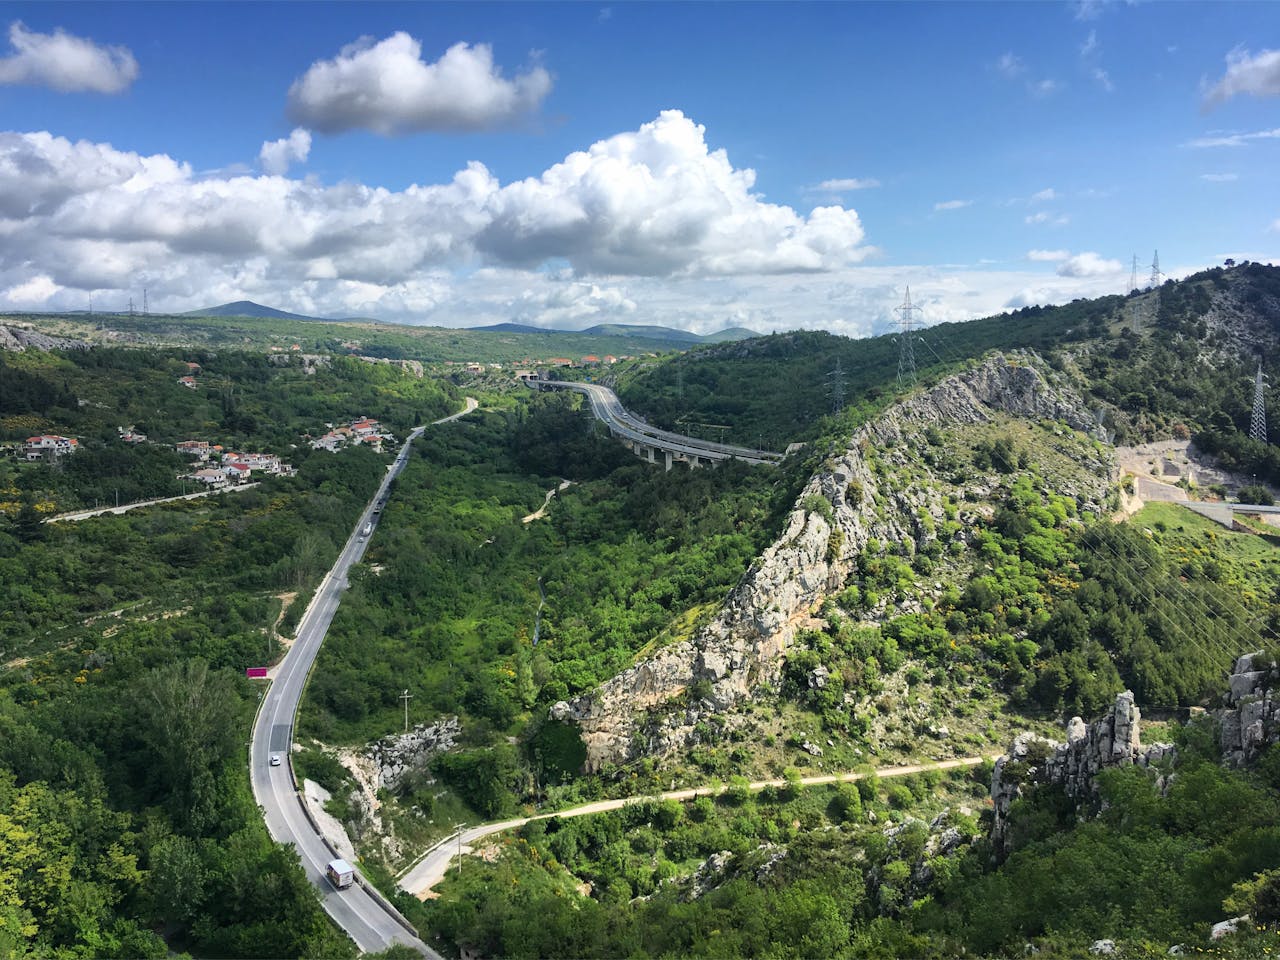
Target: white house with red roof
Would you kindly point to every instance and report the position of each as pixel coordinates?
(49, 447)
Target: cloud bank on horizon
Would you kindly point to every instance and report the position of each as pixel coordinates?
(655, 224)
(653, 203)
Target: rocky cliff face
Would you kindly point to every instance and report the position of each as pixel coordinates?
(18, 339)
(848, 503)
(395, 756)
(1250, 721)
(1113, 741)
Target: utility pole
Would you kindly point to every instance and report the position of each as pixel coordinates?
(1133, 276)
(1258, 424)
(906, 350)
(1155, 270)
(406, 697)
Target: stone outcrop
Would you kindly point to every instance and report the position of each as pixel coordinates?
(848, 503)
(18, 339)
(1113, 741)
(401, 754)
(1250, 721)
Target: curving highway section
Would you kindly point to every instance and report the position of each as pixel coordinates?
(606, 407)
(360, 910)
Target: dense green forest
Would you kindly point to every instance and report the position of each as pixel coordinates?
(794, 872)
(127, 827)
(447, 604)
(118, 824)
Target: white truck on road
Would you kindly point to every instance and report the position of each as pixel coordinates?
(340, 873)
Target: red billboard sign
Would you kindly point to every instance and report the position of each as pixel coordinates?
(255, 672)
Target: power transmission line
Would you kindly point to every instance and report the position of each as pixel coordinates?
(1258, 424)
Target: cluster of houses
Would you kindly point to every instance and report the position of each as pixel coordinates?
(364, 430)
(49, 447)
(189, 381)
(229, 466)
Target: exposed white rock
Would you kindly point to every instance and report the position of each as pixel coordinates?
(400, 754)
(1226, 928)
(1111, 741)
(1250, 721)
(18, 339)
(1103, 948)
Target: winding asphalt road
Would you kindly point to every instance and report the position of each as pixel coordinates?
(357, 909)
(608, 408)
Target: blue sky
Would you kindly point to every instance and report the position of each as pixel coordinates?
(695, 165)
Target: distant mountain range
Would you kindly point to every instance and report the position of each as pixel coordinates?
(247, 308)
(635, 330)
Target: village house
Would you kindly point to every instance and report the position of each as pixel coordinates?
(49, 447)
(210, 476)
(129, 435)
(194, 448)
(188, 382)
(364, 430)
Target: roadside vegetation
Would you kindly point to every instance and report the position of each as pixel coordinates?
(127, 825)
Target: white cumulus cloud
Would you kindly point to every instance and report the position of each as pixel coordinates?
(1048, 256)
(35, 292)
(388, 88)
(1219, 177)
(952, 204)
(657, 202)
(1088, 264)
(1048, 193)
(1258, 75)
(65, 63)
(276, 155)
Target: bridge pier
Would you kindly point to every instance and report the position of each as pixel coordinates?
(652, 451)
(668, 453)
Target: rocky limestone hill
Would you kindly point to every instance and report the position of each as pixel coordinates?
(18, 339)
(877, 489)
(1249, 722)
